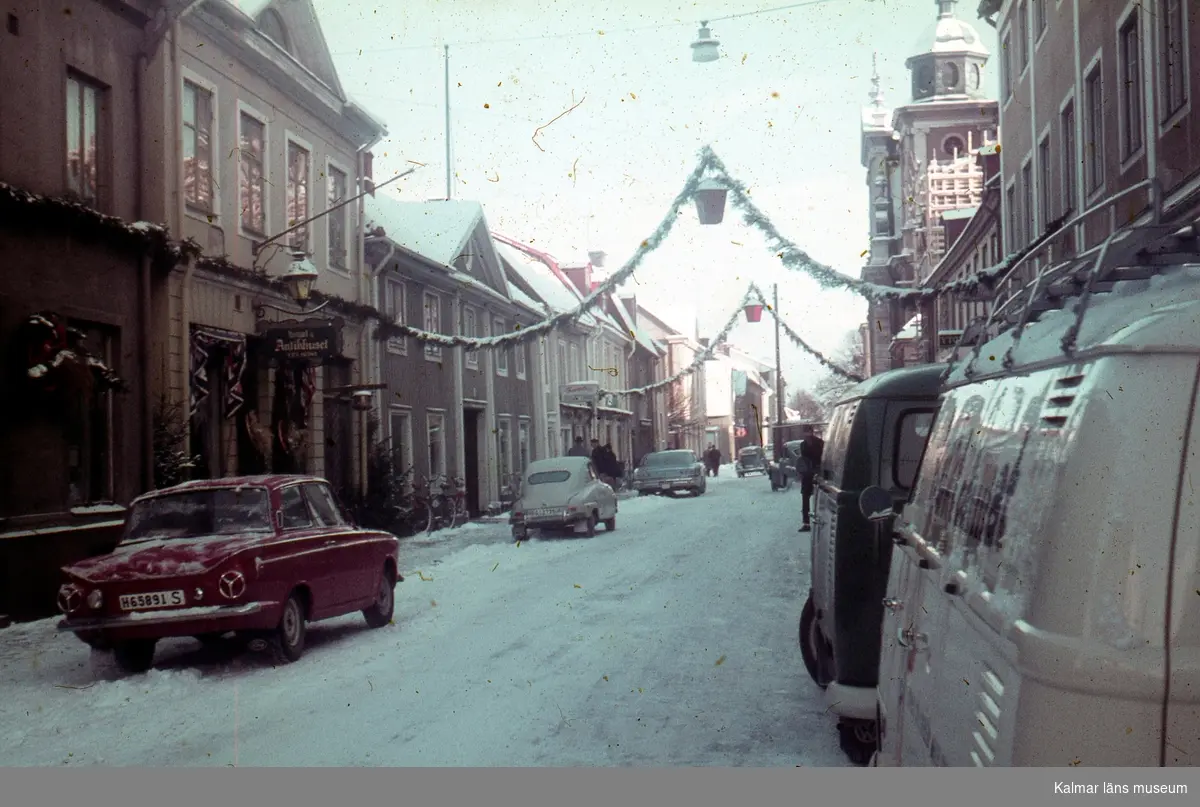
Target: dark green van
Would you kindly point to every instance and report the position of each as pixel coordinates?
(876, 437)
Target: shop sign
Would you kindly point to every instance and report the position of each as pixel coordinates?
(311, 340)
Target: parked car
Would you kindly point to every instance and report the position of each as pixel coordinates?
(781, 472)
(562, 493)
(875, 438)
(1041, 609)
(257, 555)
(751, 460)
(667, 472)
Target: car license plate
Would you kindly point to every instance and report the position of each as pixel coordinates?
(154, 599)
(541, 512)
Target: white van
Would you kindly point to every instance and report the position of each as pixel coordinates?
(1043, 602)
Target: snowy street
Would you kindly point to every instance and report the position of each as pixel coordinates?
(671, 642)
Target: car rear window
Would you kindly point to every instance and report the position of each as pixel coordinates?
(549, 477)
(666, 458)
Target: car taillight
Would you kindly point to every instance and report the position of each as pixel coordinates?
(517, 513)
(95, 600)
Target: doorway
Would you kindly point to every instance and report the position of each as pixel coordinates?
(471, 419)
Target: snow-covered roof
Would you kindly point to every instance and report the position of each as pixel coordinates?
(543, 281)
(949, 34)
(961, 213)
(639, 334)
(514, 291)
(1135, 312)
(437, 230)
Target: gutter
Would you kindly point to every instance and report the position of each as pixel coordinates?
(371, 356)
(147, 419)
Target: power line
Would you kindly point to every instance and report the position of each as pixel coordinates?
(546, 37)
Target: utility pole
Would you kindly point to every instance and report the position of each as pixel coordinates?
(449, 154)
(779, 418)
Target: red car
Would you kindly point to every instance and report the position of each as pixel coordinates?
(257, 555)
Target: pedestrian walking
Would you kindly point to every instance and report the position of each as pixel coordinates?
(812, 449)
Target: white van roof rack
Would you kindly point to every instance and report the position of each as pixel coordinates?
(1134, 252)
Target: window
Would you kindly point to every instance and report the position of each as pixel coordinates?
(1039, 18)
(469, 330)
(436, 431)
(1022, 37)
(394, 300)
(89, 432)
(523, 445)
(252, 146)
(433, 324)
(1174, 65)
(400, 433)
(84, 100)
(911, 433)
(299, 167)
(1093, 88)
(504, 446)
(294, 509)
(518, 351)
(1044, 178)
(1027, 211)
(323, 505)
(1069, 158)
(563, 372)
(573, 370)
(1006, 65)
(339, 187)
(197, 147)
(1131, 87)
(501, 352)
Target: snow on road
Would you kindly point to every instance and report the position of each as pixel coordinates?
(671, 642)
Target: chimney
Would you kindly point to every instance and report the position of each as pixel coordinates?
(368, 172)
(581, 276)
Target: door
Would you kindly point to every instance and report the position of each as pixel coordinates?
(352, 554)
(308, 553)
(471, 458)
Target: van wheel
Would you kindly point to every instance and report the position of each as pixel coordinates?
(811, 643)
(859, 740)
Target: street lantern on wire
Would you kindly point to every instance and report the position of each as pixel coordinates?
(705, 48)
(300, 277)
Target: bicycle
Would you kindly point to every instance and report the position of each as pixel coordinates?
(447, 508)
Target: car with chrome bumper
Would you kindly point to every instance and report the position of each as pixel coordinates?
(669, 472)
(562, 494)
(259, 556)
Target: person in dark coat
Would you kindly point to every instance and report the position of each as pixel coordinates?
(579, 449)
(812, 449)
(714, 459)
(612, 468)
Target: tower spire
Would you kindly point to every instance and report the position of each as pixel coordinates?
(876, 92)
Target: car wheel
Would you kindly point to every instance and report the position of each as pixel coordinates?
(380, 613)
(610, 524)
(591, 526)
(289, 636)
(135, 656)
(810, 643)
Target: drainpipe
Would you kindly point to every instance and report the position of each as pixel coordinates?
(185, 313)
(371, 357)
(147, 424)
(491, 482)
(457, 415)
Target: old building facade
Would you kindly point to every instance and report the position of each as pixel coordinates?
(921, 165)
(263, 155)
(81, 266)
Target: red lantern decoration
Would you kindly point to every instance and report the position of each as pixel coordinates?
(754, 313)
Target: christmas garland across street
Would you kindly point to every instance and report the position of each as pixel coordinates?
(791, 255)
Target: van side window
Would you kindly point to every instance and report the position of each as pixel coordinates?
(955, 485)
(836, 442)
(912, 430)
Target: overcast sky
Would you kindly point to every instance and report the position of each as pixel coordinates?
(781, 108)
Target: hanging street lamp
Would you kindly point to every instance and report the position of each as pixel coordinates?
(300, 277)
(705, 48)
(710, 201)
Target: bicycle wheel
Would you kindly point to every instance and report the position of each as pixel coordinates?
(459, 516)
